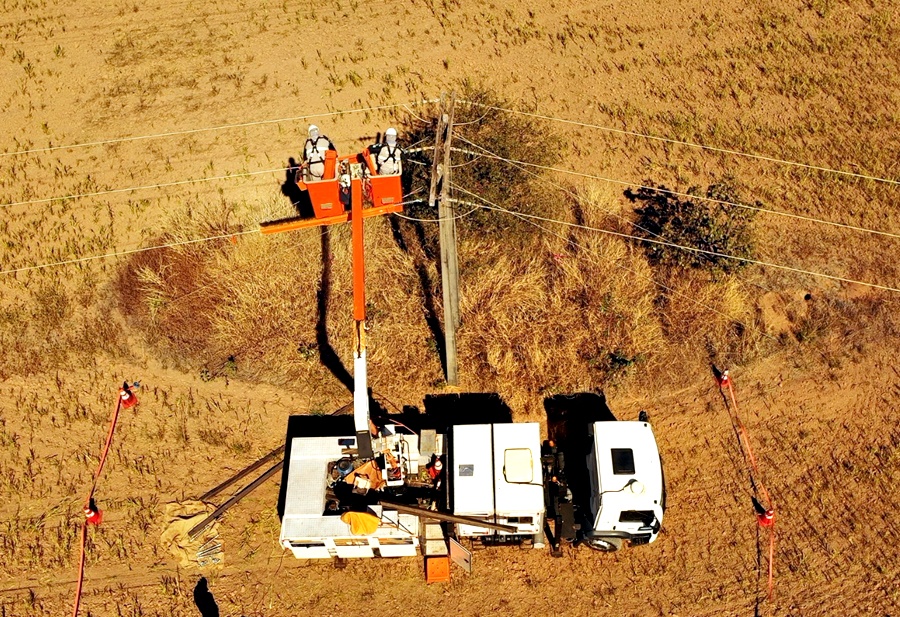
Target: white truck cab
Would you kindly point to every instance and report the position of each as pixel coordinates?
(604, 477)
(627, 496)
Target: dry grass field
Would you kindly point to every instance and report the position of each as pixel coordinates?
(130, 125)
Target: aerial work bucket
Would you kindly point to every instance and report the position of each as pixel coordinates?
(325, 197)
(386, 190)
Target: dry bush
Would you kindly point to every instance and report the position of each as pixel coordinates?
(580, 309)
(258, 306)
(565, 314)
(167, 292)
(708, 226)
(710, 320)
(479, 128)
(571, 309)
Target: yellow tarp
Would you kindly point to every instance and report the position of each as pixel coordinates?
(178, 520)
(361, 523)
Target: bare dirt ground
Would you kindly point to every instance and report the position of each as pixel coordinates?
(814, 81)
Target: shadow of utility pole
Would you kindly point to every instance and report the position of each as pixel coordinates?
(421, 254)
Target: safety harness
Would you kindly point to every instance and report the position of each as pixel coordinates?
(311, 150)
(392, 155)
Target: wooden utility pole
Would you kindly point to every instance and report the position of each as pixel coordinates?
(450, 222)
(447, 223)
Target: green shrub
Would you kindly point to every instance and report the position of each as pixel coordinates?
(697, 223)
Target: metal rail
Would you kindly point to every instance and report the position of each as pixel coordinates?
(449, 518)
(241, 474)
(202, 525)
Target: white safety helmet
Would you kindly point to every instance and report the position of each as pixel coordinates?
(390, 136)
(313, 131)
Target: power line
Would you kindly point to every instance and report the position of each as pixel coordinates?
(161, 246)
(618, 265)
(689, 144)
(131, 189)
(128, 252)
(541, 178)
(438, 220)
(574, 195)
(220, 127)
(683, 194)
(687, 248)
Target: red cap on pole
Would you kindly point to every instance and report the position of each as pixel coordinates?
(93, 514)
(766, 518)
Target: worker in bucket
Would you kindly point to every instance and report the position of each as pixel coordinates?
(344, 193)
(314, 153)
(387, 154)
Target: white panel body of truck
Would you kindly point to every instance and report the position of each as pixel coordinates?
(496, 477)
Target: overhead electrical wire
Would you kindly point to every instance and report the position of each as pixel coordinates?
(618, 265)
(692, 249)
(574, 195)
(128, 252)
(235, 234)
(568, 191)
(571, 172)
(132, 189)
(606, 231)
(760, 157)
(482, 149)
(436, 220)
(221, 127)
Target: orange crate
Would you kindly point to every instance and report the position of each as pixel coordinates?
(437, 569)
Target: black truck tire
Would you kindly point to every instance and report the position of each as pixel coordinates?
(604, 544)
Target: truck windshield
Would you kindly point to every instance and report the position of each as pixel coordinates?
(637, 516)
